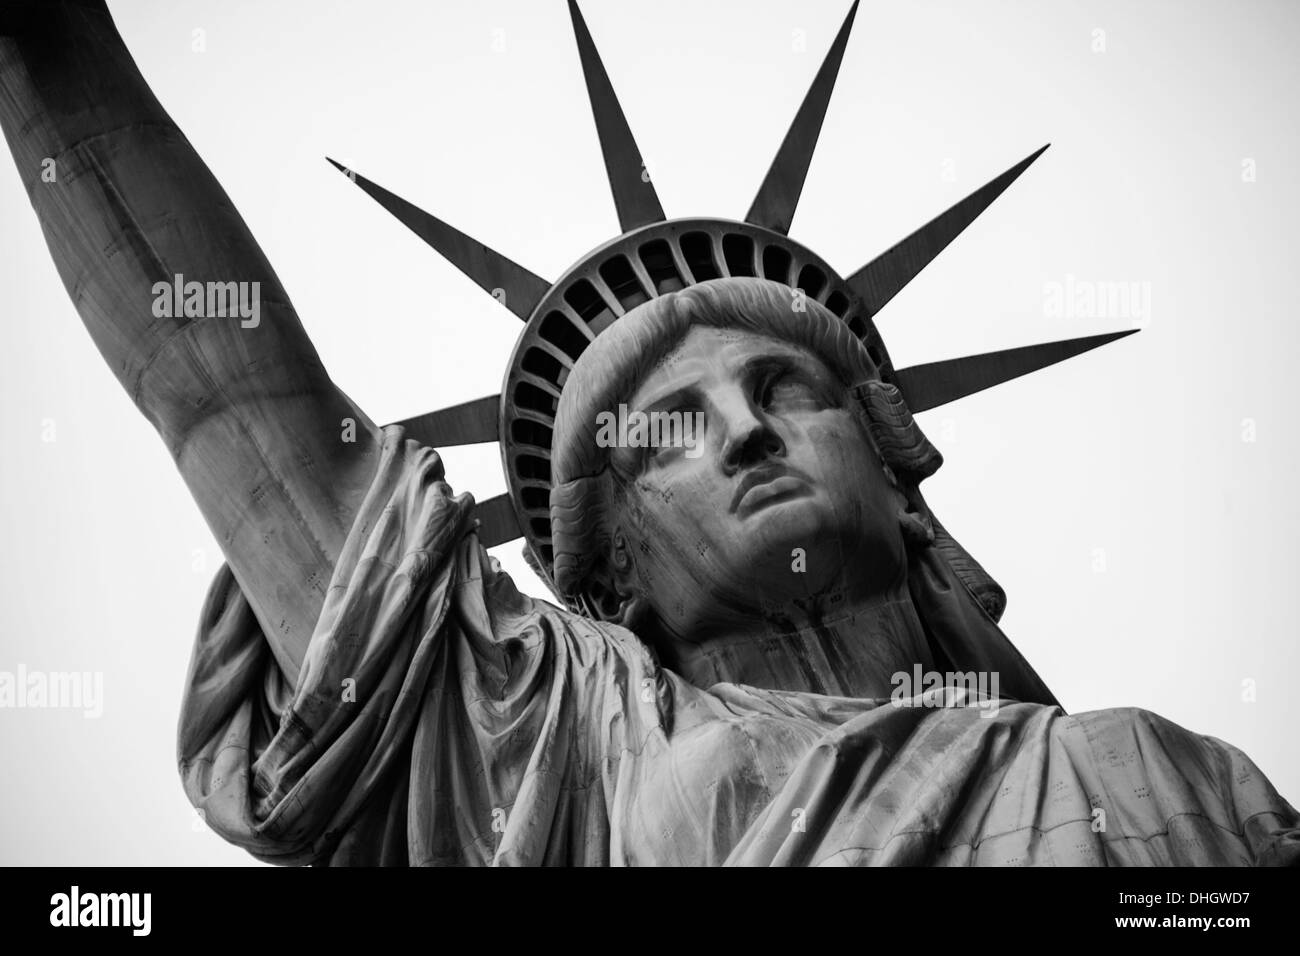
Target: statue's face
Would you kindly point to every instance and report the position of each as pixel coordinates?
(781, 508)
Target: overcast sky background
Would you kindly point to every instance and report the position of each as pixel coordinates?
(1146, 548)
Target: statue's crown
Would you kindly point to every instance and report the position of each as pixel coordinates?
(655, 255)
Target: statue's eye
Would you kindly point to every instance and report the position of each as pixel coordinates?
(784, 389)
(672, 435)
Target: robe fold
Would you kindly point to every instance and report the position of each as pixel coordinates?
(443, 718)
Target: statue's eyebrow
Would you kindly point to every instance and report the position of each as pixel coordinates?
(682, 394)
(781, 360)
(767, 362)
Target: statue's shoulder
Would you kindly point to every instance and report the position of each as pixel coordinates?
(414, 523)
(516, 614)
(1110, 721)
(1124, 736)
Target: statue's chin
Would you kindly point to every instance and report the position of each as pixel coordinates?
(790, 546)
(792, 549)
(787, 523)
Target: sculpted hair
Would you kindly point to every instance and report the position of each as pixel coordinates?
(584, 487)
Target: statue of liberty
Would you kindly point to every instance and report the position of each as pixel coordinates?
(737, 668)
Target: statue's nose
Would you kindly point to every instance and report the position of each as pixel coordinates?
(748, 435)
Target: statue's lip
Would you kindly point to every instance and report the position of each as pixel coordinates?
(767, 474)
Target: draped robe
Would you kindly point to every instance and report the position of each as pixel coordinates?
(441, 717)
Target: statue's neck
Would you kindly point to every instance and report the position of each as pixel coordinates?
(847, 652)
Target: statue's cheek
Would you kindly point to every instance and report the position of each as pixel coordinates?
(822, 429)
(687, 485)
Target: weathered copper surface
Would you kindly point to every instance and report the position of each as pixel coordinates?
(368, 687)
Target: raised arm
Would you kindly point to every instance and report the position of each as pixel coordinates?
(259, 432)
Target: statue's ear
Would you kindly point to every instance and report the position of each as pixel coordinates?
(914, 519)
(609, 605)
(608, 591)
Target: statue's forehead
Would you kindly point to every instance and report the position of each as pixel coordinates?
(708, 350)
(705, 341)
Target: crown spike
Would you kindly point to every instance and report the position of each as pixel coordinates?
(635, 198)
(469, 423)
(937, 383)
(498, 523)
(884, 276)
(508, 282)
(775, 203)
